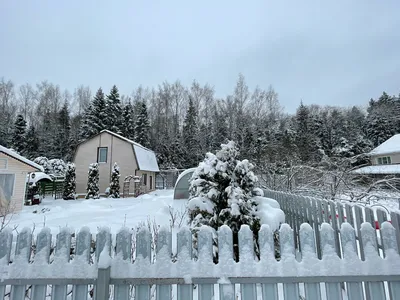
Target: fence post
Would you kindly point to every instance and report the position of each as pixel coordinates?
(103, 283)
(103, 249)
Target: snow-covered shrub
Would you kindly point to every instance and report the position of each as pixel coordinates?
(44, 162)
(92, 190)
(58, 167)
(70, 182)
(114, 184)
(221, 193)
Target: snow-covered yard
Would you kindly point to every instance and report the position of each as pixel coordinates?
(112, 213)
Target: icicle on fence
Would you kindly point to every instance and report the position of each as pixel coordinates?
(122, 269)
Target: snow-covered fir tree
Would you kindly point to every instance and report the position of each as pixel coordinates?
(113, 118)
(114, 184)
(142, 125)
(70, 182)
(98, 114)
(189, 134)
(32, 143)
(86, 129)
(128, 125)
(18, 142)
(44, 162)
(62, 139)
(92, 189)
(221, 191)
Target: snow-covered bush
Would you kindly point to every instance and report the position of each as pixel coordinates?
(222, 191)
(70, 182)
(44, 162)
(114, 184)
(53, 166)
(92, 190)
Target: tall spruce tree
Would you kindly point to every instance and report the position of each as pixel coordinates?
(18, 141)
(92, 189)
(62, 145)
(32, 143)
(142, 126)
(70, 182)
(86, 129)
(98, 115)
(113, 118)
(189, 133)
(114, 184)
(128, 125)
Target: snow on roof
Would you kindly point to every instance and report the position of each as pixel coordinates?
(37, 177)
(378, 169)
(145, 157)
(187, 171)
(15, 155)
(392, 145)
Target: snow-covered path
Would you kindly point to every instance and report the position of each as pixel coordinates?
(112, 213)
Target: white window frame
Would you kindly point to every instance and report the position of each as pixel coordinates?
(6, 160)
(15, 179)
(98, 155)
(384, 160)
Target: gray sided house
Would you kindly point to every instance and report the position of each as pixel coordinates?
(385, 159)
(106, 148)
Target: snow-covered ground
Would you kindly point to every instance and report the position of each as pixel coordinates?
(113, 213)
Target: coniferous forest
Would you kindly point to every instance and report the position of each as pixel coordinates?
(182, 123)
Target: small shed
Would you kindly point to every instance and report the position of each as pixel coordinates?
(181, 190)
(14, 169)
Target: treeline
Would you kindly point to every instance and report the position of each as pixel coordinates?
(182, 123)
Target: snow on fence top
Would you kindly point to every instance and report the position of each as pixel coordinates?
(15, 155)
(145, 260)
(391, 145)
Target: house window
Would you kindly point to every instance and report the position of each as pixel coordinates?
(102, 153)
(151, 182)
(3, 163)
(144, 179)
(7, 185)
(384, 160)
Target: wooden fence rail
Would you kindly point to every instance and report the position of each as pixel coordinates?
(125, 266)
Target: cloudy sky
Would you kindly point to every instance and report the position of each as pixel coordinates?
(326, 52)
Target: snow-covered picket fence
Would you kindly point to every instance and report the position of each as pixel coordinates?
(301, 209)
(121, 271)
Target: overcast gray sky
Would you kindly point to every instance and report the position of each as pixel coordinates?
(337, 53)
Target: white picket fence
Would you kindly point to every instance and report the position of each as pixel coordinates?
(123, 269)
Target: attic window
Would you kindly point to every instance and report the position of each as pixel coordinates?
(384, 160)
(3, 163)
(102, 153)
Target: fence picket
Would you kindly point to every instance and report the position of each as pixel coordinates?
(290, 290)
(316, 226)
(184, 244)
(381, 216)
(325, 211)
(374, 290)
(82, 256)
(388, 233)
(313, 291)
(6, 238)
(395, 219)
(358, 221)
(347, 234)
(61, 256)
(349, 214)
(205, 250)
(333, 290)
(267, 259)
(246, 259)
(22, 255)
(335, 227)
(164, 250)
(42, 255)
(124, 253)
(143, 256)
(340, 213)
(226, 261)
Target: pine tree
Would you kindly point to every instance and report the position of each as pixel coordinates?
(189, 134)
(92, 190)
(86, 128)
(221, 193)
(62, 145)
(98, 115)
(114, 184)
(142, 126)
(18, 142)
(305, 139)
(32, 143)
(128, 125)
(113, 118)
(70, 182)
